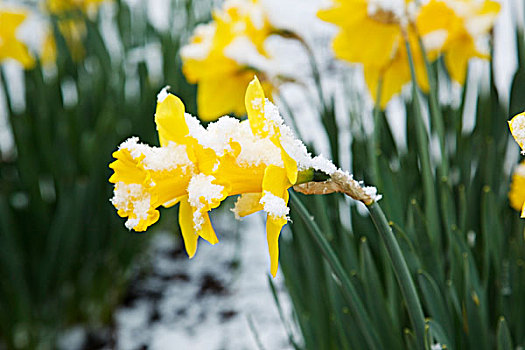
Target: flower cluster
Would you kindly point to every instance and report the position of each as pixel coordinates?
(10, 46)
(374, 32)
(223, 56)
(258, 159)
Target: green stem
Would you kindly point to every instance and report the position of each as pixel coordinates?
(431, 208)
(352, 297)
(374, 146)
(435, 112)
(406, 284)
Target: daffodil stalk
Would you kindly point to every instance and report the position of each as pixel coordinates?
(422, 138)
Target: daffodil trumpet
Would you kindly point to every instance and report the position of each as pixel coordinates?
(258, 159)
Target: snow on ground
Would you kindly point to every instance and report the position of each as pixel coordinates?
(206, 302)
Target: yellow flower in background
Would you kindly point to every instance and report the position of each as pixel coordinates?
(372, 33)
(71, 24)
(517, 189)
(58, 7)
(456, 29)
(258, 159)
(223, 56)
(10, 46)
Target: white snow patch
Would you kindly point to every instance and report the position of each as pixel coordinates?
(171, 157)
(274, 206)
(134, 196)
(200, 49)
(202, 191)
(161, 96)
(395, 7)
(435, 40)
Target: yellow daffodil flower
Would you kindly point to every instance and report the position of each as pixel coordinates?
(71, 24)
(372, 33)
(223, 56)
(177, 172)
(10, 46)
(62, 6)
(258, 159)
(456, 29)
(517, 189)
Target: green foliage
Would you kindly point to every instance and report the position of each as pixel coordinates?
(66, 255)
(461, 244)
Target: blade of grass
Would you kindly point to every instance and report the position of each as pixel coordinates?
(353, 299)
(408, 289)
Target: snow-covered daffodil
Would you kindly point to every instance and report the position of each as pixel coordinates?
(457, 29)
(223, 56)
(258, 159)
(179, 171)
(10, 46)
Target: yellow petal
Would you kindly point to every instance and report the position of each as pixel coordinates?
(221, 95)
(254, 101)
(517, 187)
(344, 13)
(457, 56)
(248, 203)
(240, 178)
(189, 235)
(207, 232)
(290, 165)
(126, 168)
(368, 42)
(169, 117)
(276, 181)
(273, 230)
